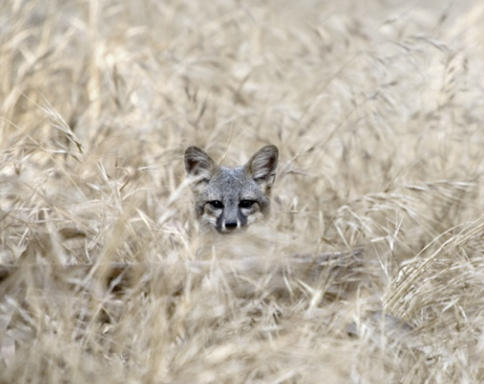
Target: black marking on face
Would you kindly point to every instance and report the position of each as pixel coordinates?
(242, 219)
(220, 224)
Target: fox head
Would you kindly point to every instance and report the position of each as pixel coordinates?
(229, 199)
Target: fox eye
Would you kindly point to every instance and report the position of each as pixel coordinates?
(217, 204)
(246, 203)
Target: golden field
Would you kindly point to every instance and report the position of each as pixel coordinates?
(371, 267)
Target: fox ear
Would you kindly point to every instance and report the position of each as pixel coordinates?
(262, 166)
(198, 164)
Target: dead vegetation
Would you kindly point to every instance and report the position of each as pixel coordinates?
(371, 269)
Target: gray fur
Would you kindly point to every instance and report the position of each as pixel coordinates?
(232, 187)
(198, 163)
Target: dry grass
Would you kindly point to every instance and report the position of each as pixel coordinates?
(378, 112)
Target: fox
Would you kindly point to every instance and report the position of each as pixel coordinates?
(229, 200)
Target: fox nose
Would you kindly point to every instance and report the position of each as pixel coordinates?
(230, 225)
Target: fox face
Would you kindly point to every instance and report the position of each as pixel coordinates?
(229, 199)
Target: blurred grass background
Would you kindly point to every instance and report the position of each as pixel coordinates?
(377, 109)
